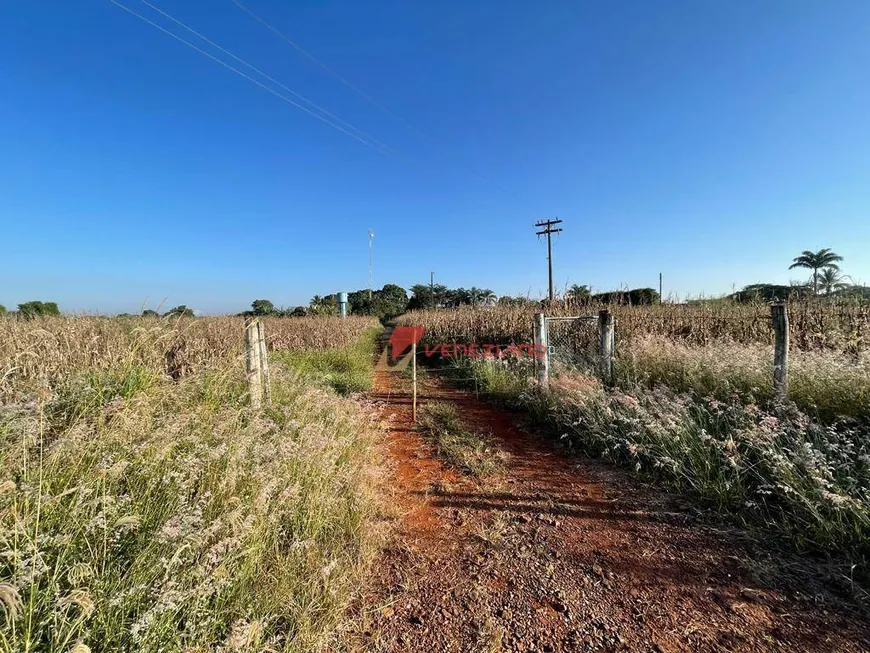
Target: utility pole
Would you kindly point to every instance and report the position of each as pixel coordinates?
(371, 259)
(661, 299)
(549, 231)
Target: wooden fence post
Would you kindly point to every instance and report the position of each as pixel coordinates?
(542, 353)
(252, 361)
(264, 362)
(779, 316)
(605, 326)
(414, 382)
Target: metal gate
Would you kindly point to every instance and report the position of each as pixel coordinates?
(576, 343)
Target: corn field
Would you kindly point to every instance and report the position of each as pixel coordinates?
(813, 325)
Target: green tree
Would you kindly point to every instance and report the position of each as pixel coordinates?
(831, 280)
(421, 297)
(148, 312)
(323, 305)
(179, 311)
(481, 296)
(633, 297)
(460, 297)
(578, 294)
(768, 292)
(519, 300)
(389, 301)
(359, 302)
(2, 310)
(815, 261)
(30, 310)
(262, 307)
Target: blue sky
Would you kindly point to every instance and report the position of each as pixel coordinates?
(710, 141)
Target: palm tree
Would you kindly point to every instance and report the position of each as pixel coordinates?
(577, 293)
(815, 261)
(461, 296)
(480, 295)
(488, 297)
(830, 280)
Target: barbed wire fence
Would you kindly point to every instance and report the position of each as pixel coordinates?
(587, 343)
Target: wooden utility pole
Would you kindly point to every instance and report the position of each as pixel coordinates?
(660, 287)
(549, 231)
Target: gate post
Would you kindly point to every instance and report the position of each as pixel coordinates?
(779, 316)
(605, 325)
(252, 361)
(542, 352)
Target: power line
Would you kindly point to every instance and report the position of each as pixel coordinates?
(248, 77)
(271, 79)
(362, 93)
(318, 62)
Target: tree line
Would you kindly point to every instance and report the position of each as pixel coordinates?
(392, 300)
(827, 280)
(30, 310)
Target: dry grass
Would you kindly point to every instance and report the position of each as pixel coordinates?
(813, 325)
(694, 408)
(139, 512)
(712, 350)
(44, 351)
(821, 382)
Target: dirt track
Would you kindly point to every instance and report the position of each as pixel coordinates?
(557, 553)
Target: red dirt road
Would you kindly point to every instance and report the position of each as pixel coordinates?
(558, 553)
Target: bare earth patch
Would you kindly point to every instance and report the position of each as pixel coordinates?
(555, 553)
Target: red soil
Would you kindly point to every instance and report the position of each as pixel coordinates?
(559, 553)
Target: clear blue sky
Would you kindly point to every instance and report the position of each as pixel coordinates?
(711, 141)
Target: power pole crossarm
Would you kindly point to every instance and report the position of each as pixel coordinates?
(548, 230)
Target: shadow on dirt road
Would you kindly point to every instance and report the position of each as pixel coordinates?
(557, 553)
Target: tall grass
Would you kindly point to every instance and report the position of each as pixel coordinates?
(776, 467)
(716, 350)
(821, 382)
(43, 351)
(144, 512)
(345, 369)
